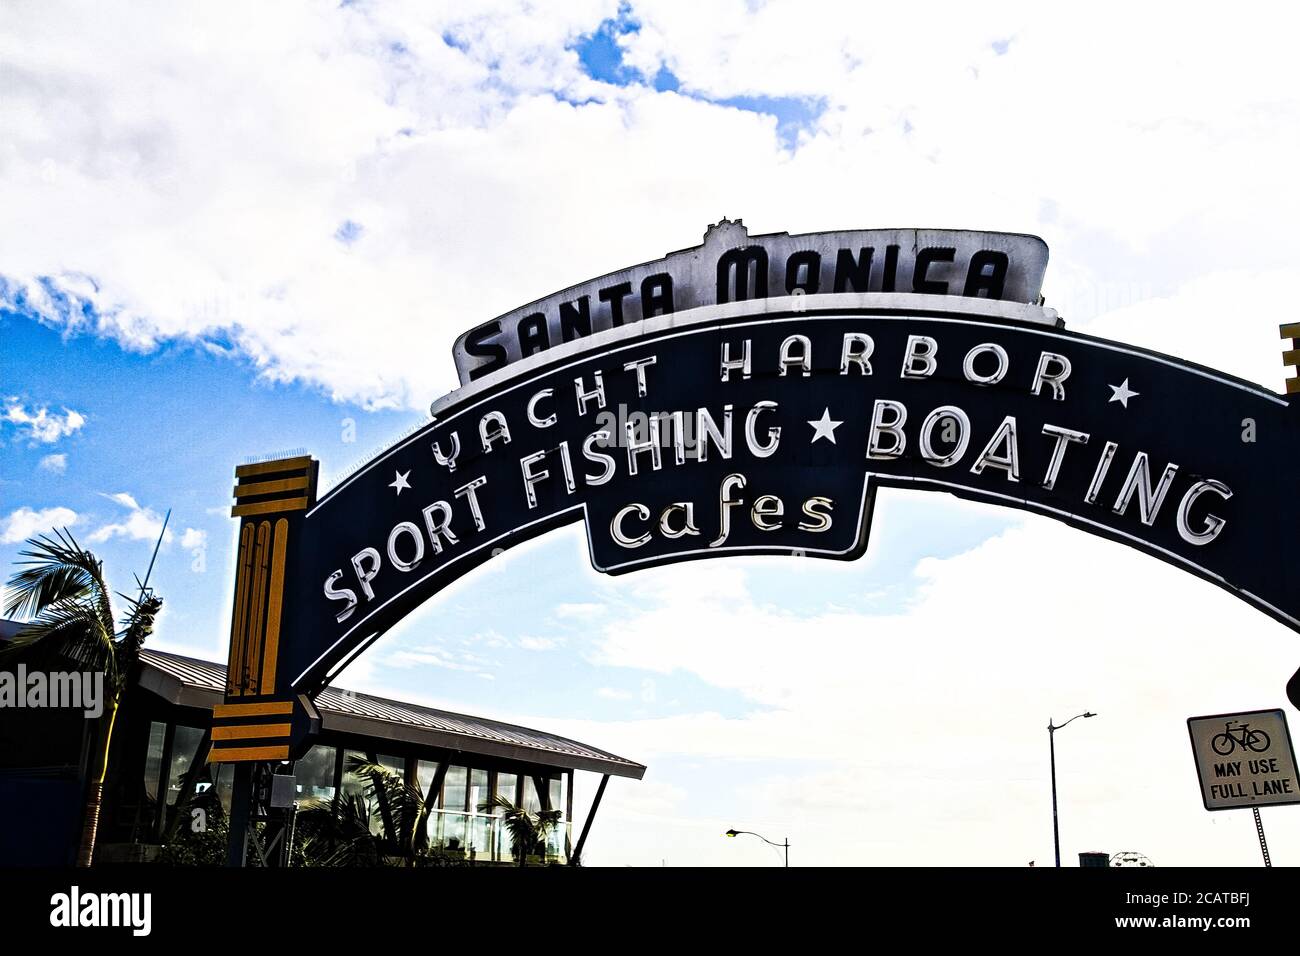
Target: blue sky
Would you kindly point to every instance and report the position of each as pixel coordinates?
(159, 428)
(601, 57)
(220, 241)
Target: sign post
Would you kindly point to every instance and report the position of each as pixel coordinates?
(1263, 844)
(1243, 760)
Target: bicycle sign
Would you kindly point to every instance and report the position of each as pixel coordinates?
(1244, 759)
(1253, 740)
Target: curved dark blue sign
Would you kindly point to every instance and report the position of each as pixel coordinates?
(770, 434)
(747, 429)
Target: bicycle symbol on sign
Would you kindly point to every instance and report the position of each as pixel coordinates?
(1245, 738)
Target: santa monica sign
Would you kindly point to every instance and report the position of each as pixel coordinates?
(759, 426)
(732, 266)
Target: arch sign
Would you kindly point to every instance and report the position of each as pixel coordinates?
(749, 396)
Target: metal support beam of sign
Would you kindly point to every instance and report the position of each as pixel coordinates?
(733, 266)
(1245, 760)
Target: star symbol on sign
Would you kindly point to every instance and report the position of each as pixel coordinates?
(399, 480)
(1121, 393)
(824, 427)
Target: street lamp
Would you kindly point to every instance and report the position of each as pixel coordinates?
(785, 845)
(1051, 737)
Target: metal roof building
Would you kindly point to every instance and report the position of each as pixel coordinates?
(190, 682)
(460, 766)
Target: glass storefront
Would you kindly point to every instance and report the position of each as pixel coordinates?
(462, 818)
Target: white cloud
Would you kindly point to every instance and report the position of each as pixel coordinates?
(194, 539)
(40, 425)
(54, 464)
(134, 122)
(612, 693)
(443, 656)
(540, 643)
(582, 611)
(26, 522)
(140, 523)
(652, 798)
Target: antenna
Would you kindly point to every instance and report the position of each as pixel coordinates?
(144, 585)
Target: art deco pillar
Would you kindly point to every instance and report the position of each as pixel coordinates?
(261, 719)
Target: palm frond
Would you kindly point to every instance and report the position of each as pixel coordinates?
(57, 568)
(405, 803)
(82, 633)
(528, 831)
(337, 833)
(138, 621)
(550, 818)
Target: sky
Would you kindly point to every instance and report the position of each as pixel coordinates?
(231, 231)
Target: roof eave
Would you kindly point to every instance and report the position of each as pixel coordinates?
(432, 737)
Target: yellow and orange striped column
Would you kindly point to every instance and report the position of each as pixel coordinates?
(256, 721)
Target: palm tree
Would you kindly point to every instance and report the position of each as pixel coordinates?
(338, 833)
(61, 590)
(528, 831)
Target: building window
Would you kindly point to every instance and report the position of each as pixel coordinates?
(425, 771)
(355, 784)
(449, 831)
(185, 744)
(352, 784)
(555, 840)
(152, 773)
(479, 826)
(220, 776)
(314, 774)
(507, 786)
(397, 766)
(532, 802)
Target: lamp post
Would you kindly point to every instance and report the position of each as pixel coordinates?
(785, 845)
(1051, 737)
